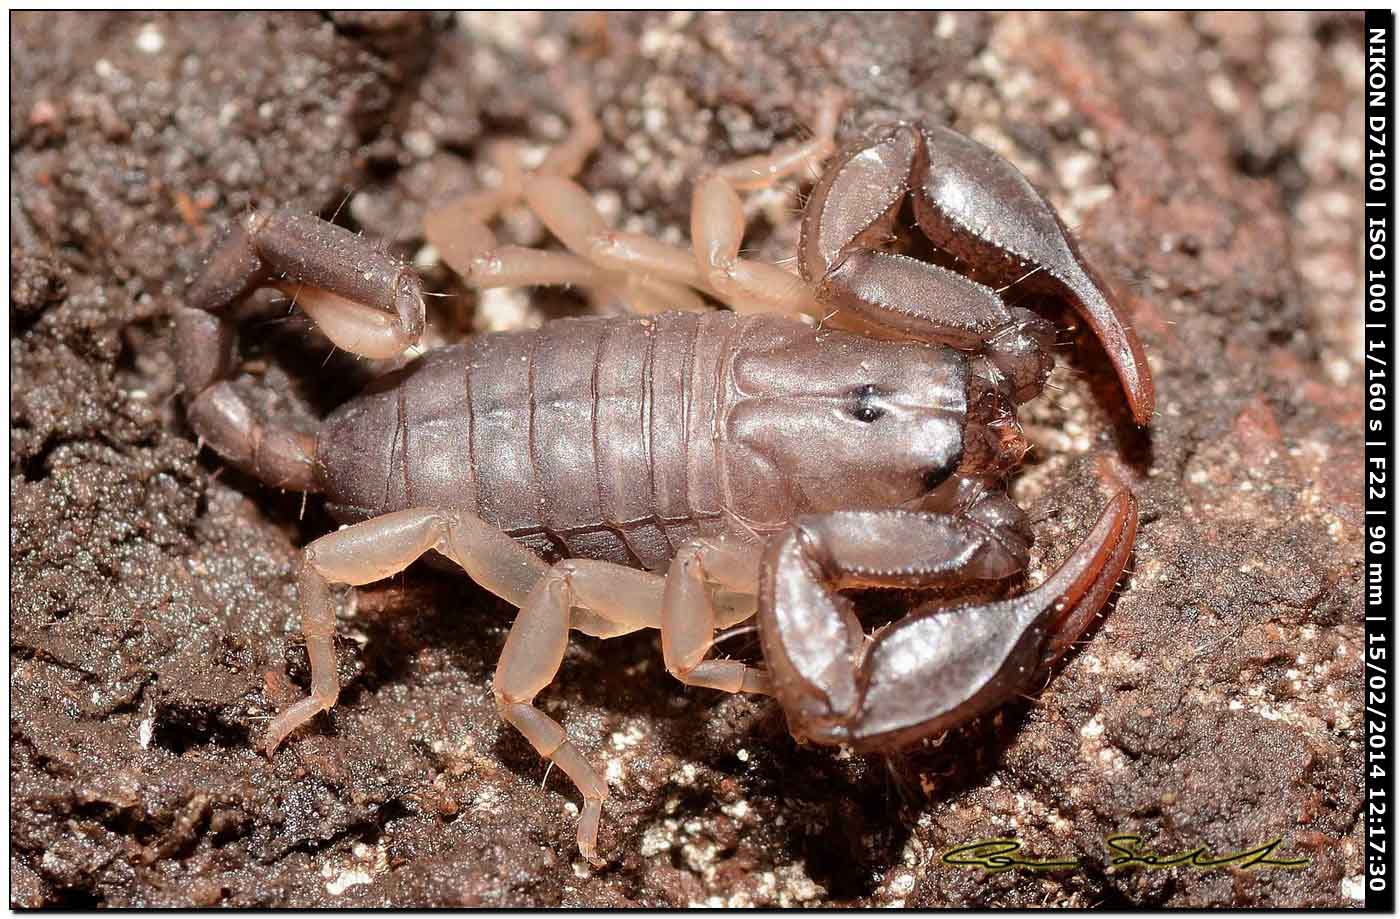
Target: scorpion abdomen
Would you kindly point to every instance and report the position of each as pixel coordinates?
(591, 438)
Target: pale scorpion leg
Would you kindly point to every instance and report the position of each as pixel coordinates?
(717, 229)
(664, 271)
(373, 550)
(598, 598)
(460, 230)
(612, 600)
(935, 668)
(606, 600)
(717, 222)
(616, 600)
(461, 234)
(755, 172)
(689, 617)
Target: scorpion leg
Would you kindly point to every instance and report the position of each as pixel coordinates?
(606, 600)
(648, 274)
(614, 600)
(570, 214)
(717, 222)
(661, 272)
(717, 231)
(461, 234)
(598, 598)
(375, 549)
(935, 668)
(460, 231)
(689, 617)
(755, 172)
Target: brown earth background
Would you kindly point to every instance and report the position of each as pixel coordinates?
(1211, 163)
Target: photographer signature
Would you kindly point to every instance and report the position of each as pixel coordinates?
(994, 856)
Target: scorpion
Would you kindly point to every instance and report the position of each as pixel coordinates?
(685, 468)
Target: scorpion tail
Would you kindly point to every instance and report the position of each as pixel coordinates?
(206, 345)
(362, 298)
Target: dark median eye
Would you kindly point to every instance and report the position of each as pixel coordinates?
(864, 407)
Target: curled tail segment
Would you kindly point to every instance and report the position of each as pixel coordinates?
(361, 297)
(279, 456)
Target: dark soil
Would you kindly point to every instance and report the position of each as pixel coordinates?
(1211, 163)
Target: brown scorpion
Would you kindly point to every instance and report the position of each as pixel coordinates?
(685, 470)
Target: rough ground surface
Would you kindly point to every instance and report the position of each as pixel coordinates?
(1210, 163)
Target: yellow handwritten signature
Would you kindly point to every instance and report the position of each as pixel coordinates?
(994, 856)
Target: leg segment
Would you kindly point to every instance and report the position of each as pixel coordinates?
(460, 231)
(689, 618)
(607, 600)
(617, 600)
(717, 231)
(462, 235)
(717, 223)
(601, 599)
(649, 275)
(756, 172)
(935, 668)
(375, 549)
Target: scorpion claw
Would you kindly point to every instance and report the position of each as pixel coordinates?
(978, 208)
(972, 203)
(936, 668)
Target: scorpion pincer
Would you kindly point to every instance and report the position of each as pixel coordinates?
(685, 470)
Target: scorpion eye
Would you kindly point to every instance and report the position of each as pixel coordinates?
(863, 406)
